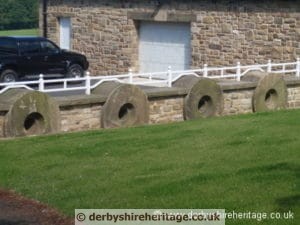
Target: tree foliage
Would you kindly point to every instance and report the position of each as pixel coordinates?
(18, 14)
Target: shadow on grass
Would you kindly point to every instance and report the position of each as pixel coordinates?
(287, 203)
(282, 166)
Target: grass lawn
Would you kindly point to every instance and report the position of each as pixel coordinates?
(242, 163)
(25, 32)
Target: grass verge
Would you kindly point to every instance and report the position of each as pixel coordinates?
(241, 163)
(25, 32)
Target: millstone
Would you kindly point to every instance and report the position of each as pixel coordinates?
(30, 113)
(204, 99)
(270, 94)
(126, 105)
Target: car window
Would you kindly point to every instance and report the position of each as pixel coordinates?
(48, 47)
(29, 47)
(8, 47)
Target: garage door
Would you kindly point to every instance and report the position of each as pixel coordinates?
(164, 44)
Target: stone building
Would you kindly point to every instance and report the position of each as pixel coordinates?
(150, 35)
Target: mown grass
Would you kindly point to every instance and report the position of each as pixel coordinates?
(24, 32)
(242, 163)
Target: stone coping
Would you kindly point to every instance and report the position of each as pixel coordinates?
(161, 92)
(292, 80)
(154, 92)
(227, 85)
(73, 100)
(151, 92)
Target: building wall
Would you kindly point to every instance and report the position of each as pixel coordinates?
(222, 32)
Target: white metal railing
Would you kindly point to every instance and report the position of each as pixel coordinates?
(166, 78)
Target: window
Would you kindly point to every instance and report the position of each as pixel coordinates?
(65, 28)
(29, 47)
(48, 47)
(8, 47)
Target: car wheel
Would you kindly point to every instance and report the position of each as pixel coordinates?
(8, 76)
(75, 71)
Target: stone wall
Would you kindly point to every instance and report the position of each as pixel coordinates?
(80, 117)
(2, 120)
(166, 109)
(222, 32)
(78, 113)
(237, 101)
(88, 116)
(100, 30)
(294, 96)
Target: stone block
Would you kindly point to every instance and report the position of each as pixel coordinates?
(278, 20)
(226, 28)
(215, 47)
(276, 52)
(250, 35)
(208, 20)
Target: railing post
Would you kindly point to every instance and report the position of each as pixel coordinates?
(205, 72)
(87, 83)
(169, 77)
(130, 76)
(269, 69)
(41, 83)
(238, 71)
(298, 68)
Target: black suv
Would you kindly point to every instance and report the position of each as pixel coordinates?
(27, 57)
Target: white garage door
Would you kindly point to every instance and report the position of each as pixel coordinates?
(164, 44)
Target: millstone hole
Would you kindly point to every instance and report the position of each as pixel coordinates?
(205, 106)
(127, 111)
(34, 123)
(271, 99)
